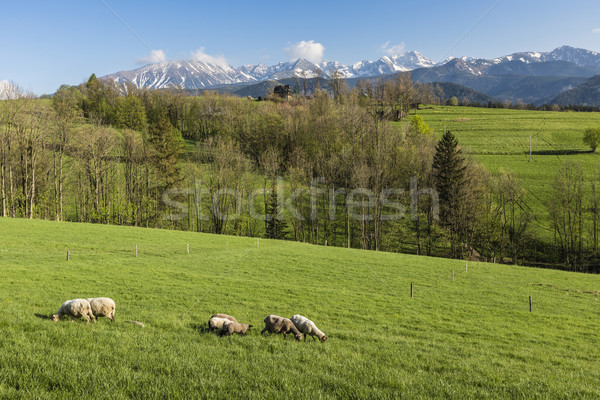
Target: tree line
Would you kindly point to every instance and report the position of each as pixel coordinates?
(348, 168)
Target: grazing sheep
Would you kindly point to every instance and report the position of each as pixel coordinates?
(307, 327)
(103, 307)
(229, 317)
(277, 324)
(75, 309)
(216, 323)
(229, 328)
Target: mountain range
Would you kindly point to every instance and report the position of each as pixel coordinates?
(524, 76)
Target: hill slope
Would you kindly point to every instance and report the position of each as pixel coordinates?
(587, 94)
(468, 337)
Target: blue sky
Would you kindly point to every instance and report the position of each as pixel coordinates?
(46, 43)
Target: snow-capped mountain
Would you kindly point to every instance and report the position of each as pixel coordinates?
(201, 75)
(192, 74)
(183, 74)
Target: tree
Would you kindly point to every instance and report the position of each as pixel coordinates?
(453, 101)
(339, 85)
(168, 143)
(130, 113)
(591, 137)
(418, 126)
(515, 215)
(66, 106)
(566, 209)
(275, 223)
(449, 171)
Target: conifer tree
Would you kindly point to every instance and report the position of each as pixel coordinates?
(275, 224)
(167, 142)
(449, 170)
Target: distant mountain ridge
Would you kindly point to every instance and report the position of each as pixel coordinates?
(522, 76)
(586, 94)
(197, 74)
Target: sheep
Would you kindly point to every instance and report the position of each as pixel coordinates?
(75, 309)
(216, 323)
(229, 328)
(229, 317)
(277, 324)
(103, 307)
(307, 327)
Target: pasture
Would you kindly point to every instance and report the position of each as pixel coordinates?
(499, 139)
(468, 337)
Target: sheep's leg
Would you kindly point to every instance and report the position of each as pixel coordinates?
(305, 337)
(72, 318)
(312, 337)
(263, 331)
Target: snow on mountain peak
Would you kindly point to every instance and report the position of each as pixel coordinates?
(201, 73)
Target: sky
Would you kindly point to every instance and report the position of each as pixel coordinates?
(46, 43)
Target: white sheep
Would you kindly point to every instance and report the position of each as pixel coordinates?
(75, 309)
(103, 307)
(229, 317)
(307, 327)
(217, 323)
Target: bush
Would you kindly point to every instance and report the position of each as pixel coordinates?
(591, 137)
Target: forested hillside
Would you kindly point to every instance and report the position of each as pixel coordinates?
(349, 168)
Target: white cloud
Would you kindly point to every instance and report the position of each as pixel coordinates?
(308, 50)
(393, 50)
(155, 56)
(200, 55)
(596, 30)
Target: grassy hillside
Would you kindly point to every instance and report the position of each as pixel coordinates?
(499, 138)
(468, 337)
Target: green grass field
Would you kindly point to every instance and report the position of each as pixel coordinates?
(471, 337)
(499, 139)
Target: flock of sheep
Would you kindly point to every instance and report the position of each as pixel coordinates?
(93, 308)
(298, 326)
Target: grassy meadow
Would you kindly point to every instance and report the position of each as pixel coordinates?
(468, 337)
(499, 138)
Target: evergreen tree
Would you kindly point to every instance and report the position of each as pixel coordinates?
(449, 171)
(167, 143)
(275, 224)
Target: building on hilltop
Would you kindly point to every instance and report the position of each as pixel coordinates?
(283, 91)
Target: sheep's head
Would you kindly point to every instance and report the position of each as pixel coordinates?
(250, 326)
(298, 336)
(54, 317)
(324, 338)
